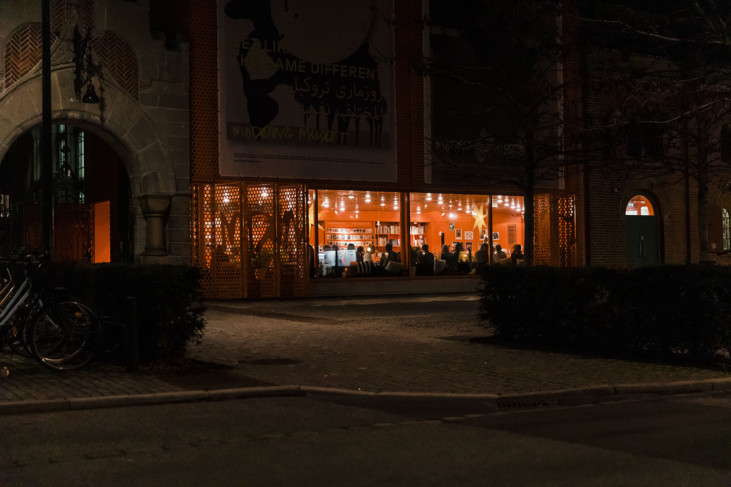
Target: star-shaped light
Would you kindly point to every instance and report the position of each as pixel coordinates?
(479, 215)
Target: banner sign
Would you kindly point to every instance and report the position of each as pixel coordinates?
(306, 89)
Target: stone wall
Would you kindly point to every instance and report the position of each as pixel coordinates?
(148, 127)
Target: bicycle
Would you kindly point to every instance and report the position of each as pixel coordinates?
(61, 332)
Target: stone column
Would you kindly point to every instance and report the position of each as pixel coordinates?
(155, 209)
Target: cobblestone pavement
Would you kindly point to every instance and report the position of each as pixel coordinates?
(396, 344)
(423, 344)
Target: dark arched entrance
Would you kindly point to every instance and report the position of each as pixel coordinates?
(93, 219)
(642, 232)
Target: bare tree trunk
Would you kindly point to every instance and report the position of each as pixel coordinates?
(702, 164)
(529, 222)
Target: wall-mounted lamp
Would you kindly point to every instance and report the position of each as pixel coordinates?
(84, 68)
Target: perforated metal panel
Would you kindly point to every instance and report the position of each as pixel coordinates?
(566, 230)
(203, 92)
(554, 239)
(261, 234)
(542, 241)
(292, 241)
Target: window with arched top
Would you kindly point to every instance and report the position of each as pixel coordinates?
(639, 205)
(726, 229)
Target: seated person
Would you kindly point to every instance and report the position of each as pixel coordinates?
(368, 254)
(359, 254)
(389, 256)
(425, 262)
(500, 254)
(450, 259)
(463, 258)
(516, 256)
(482, 257)
(337, 269)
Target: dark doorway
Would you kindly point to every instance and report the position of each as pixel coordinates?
(642, 232)
(92, 210)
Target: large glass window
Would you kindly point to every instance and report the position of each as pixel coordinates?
(455, 227)
(356, 232)
(361, 233)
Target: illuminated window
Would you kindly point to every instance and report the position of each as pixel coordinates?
(726, 229)
(639, 206)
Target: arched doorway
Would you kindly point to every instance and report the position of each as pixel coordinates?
(93, 219)
(642, 245)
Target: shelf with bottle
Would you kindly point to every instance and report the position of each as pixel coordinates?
(342, 236)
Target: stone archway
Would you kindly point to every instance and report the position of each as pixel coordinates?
(92, 211)
(125, 126)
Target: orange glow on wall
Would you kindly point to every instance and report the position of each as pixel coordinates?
(102, 232)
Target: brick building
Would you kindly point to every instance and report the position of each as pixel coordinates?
(261, 140)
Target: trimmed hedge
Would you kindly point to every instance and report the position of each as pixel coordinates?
(168, 314)
(655, 312)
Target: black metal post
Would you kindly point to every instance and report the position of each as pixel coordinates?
(46, 135)
(132, 339)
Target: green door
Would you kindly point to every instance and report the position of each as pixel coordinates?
(642, 240)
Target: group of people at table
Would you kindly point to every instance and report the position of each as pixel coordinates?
(461, 261)
(449, 261)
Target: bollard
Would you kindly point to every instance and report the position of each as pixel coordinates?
(133, 345)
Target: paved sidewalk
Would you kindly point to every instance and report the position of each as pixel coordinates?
(421, 345)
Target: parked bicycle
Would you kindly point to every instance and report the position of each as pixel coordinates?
(60, 331)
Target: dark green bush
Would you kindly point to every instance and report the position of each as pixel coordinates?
(168, 314)
(660, 311)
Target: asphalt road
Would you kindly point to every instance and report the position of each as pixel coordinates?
(326, 440)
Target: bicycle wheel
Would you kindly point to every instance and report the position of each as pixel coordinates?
(65, 335)
(16, 338)
(17, 331)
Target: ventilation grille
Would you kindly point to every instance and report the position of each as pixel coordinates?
(22, 52)
(119, 60)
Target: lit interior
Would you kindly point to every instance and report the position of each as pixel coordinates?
(639, 206)
(102, 232)
(373, 219)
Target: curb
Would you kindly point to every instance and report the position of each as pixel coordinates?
(524, 400)
(76, 404)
